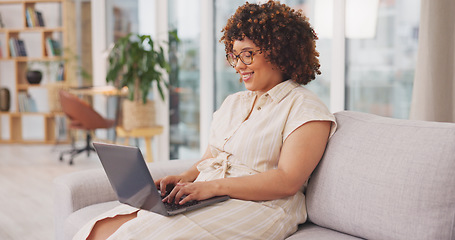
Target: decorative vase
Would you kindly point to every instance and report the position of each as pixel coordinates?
(138, 114)
(34, 77)
(5, 100)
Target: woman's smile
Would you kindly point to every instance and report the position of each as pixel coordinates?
(247, 76)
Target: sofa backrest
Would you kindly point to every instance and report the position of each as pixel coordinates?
(384, 178)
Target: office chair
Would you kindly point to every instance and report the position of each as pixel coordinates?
(82, 117)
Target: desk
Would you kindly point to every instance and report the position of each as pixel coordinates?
(146, 133)
(103, 90)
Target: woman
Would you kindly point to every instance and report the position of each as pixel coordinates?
(264, 142)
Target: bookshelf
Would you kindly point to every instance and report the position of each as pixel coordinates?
(32, 38)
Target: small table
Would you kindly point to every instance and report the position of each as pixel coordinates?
(102, 90)
(146, 133)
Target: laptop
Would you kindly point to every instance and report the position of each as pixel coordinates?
(132, 182)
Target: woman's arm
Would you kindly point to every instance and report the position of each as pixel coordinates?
(300, 154)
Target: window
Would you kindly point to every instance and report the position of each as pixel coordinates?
(184, 78)
(380, 61)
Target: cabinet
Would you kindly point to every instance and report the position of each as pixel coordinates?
(31, 124)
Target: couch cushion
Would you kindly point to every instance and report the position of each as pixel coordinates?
(309, 231)
(383, 178)
(77, 219)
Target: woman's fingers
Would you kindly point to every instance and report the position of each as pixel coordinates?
(165, 184)
(176, 194)
(181, 192)
(185, 192)
(194, 191)
(171, 196)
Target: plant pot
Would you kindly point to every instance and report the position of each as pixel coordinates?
(5, 100)
(34, 77)
(138, 114)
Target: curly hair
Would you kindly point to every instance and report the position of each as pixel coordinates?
(282, 33)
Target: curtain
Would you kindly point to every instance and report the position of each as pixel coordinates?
(433, 97)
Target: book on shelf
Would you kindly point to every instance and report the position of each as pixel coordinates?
(53, 47)
(2, 24)
(31, 104)
(12, 47)
(17, 47)
(61, 72)
(21, 48)
(30, 17)
(34, 18)
(26, 102)
(21, 98)
(57, 48)
(49, 47)
(40, 19)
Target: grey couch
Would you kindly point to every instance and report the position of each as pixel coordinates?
(380, 178)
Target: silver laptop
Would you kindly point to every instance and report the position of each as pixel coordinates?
(131, 180)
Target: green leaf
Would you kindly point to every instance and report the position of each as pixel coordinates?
(134, 57)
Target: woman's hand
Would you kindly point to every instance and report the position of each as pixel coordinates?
(191, 191)
(167, 183)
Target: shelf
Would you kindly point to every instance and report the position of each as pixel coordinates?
(44, 114)
(21, 123)
(11, 2)
(41, 1)
(26, 86)
(27, 1)
(31, 30)
(38, 59)
(20, 114)
(33, 59)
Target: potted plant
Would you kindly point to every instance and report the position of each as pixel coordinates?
(135, 63)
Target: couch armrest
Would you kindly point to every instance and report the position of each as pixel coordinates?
(84, 188)
(77, 190)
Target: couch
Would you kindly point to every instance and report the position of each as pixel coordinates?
(379, 178)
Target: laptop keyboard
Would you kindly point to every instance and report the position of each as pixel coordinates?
(173, 206)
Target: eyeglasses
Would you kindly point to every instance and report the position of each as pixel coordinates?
(245, 56)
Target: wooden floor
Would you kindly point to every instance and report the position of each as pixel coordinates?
(26, 192)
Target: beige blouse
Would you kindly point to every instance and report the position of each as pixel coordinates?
(240, 146)
(250, 146)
